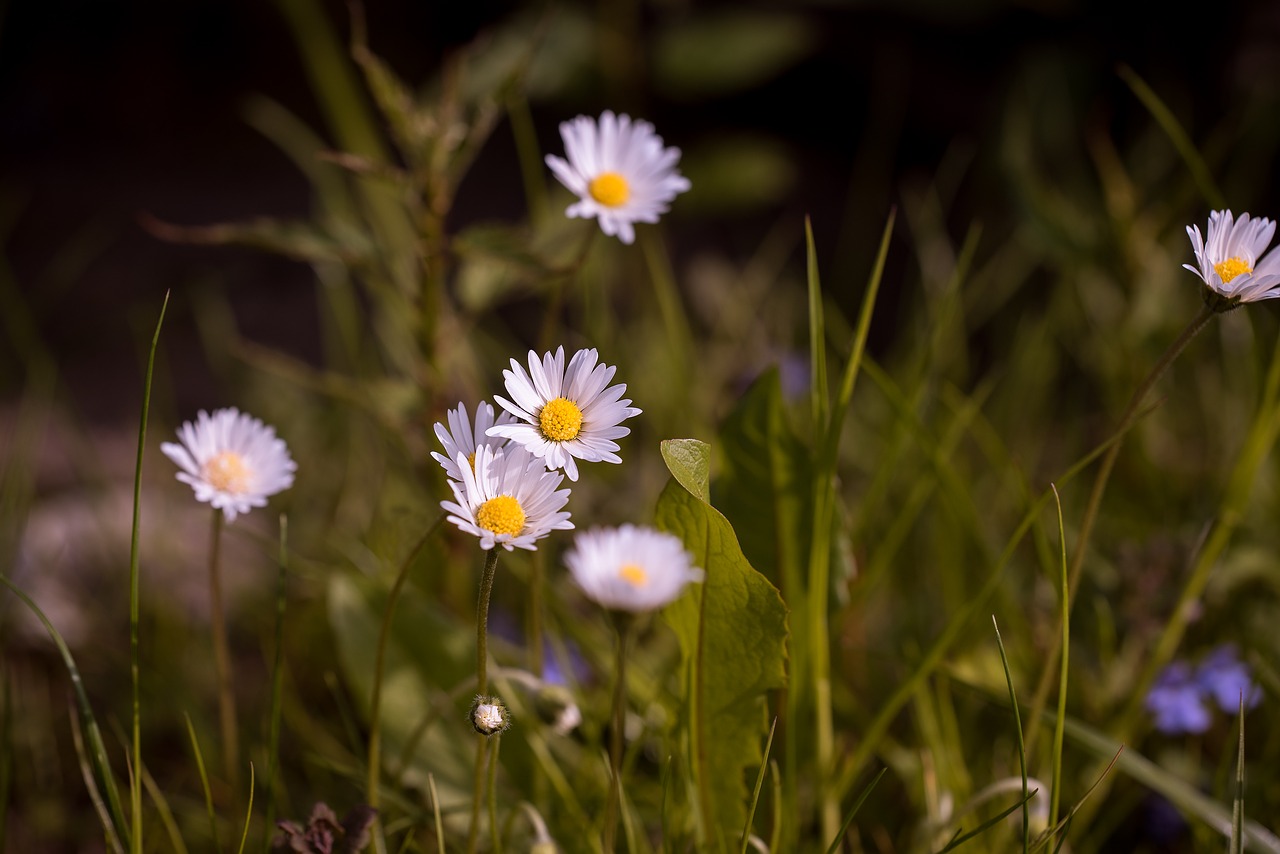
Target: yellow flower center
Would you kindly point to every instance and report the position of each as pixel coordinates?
(228, 472)
(1230, 268)
(560, 419)
(633, 574)
(609, 189)
(501, 514)
(471, 460)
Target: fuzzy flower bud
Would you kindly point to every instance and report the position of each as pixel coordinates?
(489, 715)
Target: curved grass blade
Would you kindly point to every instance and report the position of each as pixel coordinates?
(248, 813)
(135, 784)
(1186, 149)
(97, 750)
(435, 811)
(1017, 722)
(1055, 790)
(1237, 806)
(86, 771)
(958, 839)
(204, 782)
(166, 814)
(853, 811)
(755, 793)
(277, 684)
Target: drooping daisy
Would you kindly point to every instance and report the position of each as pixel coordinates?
(1231, 262)
(461, 436)
(232, 460)
(619, 170)
(631, 568)
(563, 413)
(509, 500)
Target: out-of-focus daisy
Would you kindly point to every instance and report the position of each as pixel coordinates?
(1231, 261)
(620, 171)
(462, 436)
(631, 568)
(232, 460)
(565, 413)
(509, 500)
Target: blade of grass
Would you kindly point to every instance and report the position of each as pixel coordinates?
(204, 782)
(755, 793)
(277, 684)
(958, 840)
(1237, 806)
(166, 814)
(97, 750)
(135, 786)
(853, 812)
(86, 771)
(435, 811)
(1064, 596)
(1181, 142)
(248, 813)
(1017, 723)
(824, 502)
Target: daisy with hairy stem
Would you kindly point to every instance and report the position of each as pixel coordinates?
(565, 414)
(1232, 263)
(619, 170)
(630, 571)
(233, 462)
(507, 498)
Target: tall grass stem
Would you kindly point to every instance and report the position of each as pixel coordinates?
(222, 660)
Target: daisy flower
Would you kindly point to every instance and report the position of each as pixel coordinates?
(619, 170)
(1231, 262)
(232, 461)
(509, 500)
(631, 568)
(565, 413)
(461, 436)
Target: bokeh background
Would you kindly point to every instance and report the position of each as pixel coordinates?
(1014, 117)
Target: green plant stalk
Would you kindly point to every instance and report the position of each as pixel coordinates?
(248, 813)
(204, 782)
(619, 719)
(1059, 733)
(755, 792)
(495, 835)
(222, 661)
(91, 786)
(824, 504)
(529, 156)
(1017, 723)
(1127, 420)
(277, 684)
(1258, 444)
(374, 755)
(135, 785)
(679, 334)
(482, 688)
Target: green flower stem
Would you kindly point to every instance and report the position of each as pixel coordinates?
(222, 661)
(1127, 421)
(482, 688)
(622, 623)
(374, 759)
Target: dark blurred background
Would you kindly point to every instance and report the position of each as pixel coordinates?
(114, 109)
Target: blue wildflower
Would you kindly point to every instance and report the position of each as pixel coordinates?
(1177, 701)
(1225, 678)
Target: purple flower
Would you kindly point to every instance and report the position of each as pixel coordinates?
(1225, 678)
(1177, 701)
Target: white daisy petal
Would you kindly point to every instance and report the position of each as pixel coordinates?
(565, 412)
(631, 568)
(231, 461)
(463, 436)
(1230, 259)
(510, 499)
(619, 170)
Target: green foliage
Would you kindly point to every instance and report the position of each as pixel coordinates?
(733, 636)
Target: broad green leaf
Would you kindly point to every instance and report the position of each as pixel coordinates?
(732, 632)
(765, 488)
(689, 462)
